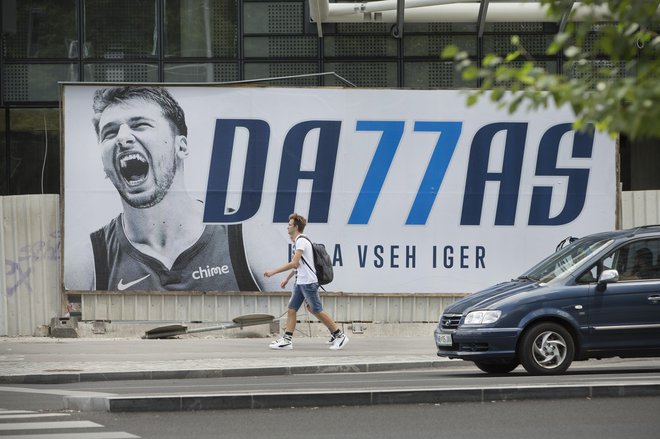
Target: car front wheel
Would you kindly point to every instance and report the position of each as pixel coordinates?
(546, 349)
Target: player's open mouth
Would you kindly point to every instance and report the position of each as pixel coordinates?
(133, 168)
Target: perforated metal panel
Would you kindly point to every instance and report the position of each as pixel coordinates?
(277, 70)
(363, 28)
(360, 46)
(514, 28)
(438, 75)
(592, 70)
(439, 28)
(224, 28)
(432, 45)
(15, 83)
(363, 74)
(281, 47)
(501, 44)
(121, 72)
(273, 18)
(35, 82)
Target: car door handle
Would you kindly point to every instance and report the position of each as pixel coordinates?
(654, 299)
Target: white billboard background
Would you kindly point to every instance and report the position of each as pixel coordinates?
(91, 201)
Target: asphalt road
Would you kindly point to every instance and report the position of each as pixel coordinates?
(606, 418)
(409, 386)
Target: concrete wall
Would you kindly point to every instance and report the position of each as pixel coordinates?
(30, 246)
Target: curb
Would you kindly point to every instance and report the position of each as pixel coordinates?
(352, 398)
(66, 378)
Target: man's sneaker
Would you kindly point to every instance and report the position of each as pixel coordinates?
(281, 343)
(331, 339)
(339, 342)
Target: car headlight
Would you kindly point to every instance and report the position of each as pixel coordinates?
(482, 317)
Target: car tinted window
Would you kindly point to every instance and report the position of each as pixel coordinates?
(567, 260)
(638, 260)
(591, 275)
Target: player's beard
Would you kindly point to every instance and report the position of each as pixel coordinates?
(162, 183)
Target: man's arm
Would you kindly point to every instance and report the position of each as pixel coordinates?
(79, 268)
(288, 266)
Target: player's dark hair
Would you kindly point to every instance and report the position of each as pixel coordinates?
(158, 95)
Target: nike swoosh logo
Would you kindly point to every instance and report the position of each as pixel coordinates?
(121, 286)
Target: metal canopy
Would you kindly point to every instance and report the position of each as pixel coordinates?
(444, 11)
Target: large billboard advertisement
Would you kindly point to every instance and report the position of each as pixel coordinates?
(189, 188)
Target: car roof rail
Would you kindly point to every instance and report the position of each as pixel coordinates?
(644, 227)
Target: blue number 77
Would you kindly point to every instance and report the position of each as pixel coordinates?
(382, 160)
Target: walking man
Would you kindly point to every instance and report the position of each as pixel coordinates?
(306, 288)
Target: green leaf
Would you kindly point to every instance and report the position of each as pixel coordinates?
(449, 52)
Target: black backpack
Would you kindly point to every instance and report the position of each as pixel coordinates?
(322, 262)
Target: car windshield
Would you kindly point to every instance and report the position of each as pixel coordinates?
(566, 261)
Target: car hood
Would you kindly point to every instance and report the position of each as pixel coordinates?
(484, 298)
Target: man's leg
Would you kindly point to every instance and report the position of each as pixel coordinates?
(337, 339)
(328, 321)
(291, 319)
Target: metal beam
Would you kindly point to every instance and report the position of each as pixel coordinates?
(565, 17)
(481, 19)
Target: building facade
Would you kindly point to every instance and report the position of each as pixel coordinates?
(45, 42)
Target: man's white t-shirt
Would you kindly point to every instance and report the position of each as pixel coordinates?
(305, 275)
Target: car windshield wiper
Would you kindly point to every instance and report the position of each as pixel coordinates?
(523, 277)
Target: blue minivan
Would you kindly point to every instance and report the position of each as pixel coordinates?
(595, 298)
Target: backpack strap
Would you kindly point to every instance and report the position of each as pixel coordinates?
(303, 258)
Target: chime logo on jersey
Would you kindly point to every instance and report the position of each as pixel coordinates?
(209, 271)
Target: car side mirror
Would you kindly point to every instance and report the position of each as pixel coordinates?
(608, 276)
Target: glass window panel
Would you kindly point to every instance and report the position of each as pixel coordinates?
(434, 75)
(34, 151)
(273, 17)
(44, 29)
(281, 47)
(363, 74)
(118, 29)
(282, 70)
(36, 82)
(206, 72)
(201, 29)
(139, 72)
(363, 45)
(432, 45)
(4, 171)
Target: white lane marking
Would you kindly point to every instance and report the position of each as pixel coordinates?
(47, 425)
(108, 435)
(31, 415)
(63, 392)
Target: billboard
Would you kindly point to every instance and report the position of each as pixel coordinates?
(409, 190)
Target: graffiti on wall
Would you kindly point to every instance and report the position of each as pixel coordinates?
(19, 271)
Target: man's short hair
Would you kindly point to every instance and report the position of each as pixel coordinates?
(299, 221)
(105, 97)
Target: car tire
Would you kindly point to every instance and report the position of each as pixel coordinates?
(546, 349)
(497, 367)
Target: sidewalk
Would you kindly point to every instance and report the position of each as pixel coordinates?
(45, 360)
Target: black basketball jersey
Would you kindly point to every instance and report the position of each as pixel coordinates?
(205, 266)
